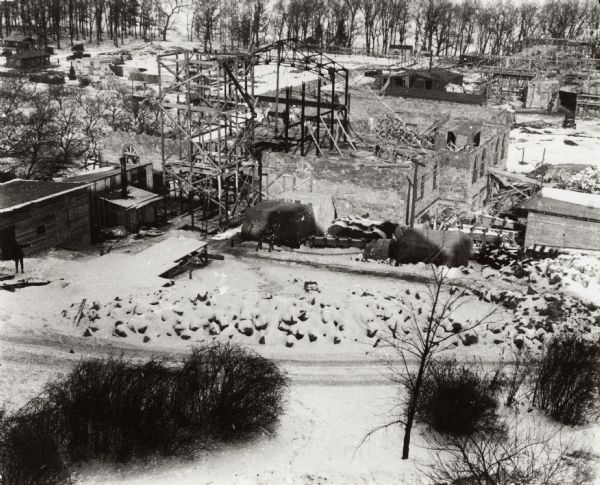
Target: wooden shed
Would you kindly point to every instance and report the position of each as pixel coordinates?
(43, 215)
(21, 42)
(102, 181)
(138, 209)
(29, 60)
(563, 219)
(108, 207)
(435, 79)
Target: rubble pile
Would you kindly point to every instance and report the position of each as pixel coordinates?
(539, 316)
(362, 316)
(526, 318)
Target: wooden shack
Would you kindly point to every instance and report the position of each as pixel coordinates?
(435, 79)
(428, 84)
(43, 215)
(107, 205)
(139, 208)
(29, 60)
(109, 178)
(20, 42)
(563, 219)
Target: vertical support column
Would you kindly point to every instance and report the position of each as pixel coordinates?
(318, 131)
(260, 176)
(286, 119)
(346, 104)
(408, 201)
(332, 117)
(166, 179)
(302, 120)
(277, 91)
(220, 196)
(189, 140)
(415, 190)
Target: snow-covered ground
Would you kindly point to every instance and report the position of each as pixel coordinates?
(339, 386)
(552, 144)
(317, 442)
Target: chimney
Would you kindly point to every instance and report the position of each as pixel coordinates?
(123, 161)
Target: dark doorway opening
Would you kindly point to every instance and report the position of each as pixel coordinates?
(7, 241)
(568, 101)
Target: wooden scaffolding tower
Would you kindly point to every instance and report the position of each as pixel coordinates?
(207, 110)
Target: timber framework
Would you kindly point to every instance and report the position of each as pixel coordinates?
(215, 127)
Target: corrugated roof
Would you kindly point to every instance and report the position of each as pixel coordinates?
(20, 193)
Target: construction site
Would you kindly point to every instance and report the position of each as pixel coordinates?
(297, 202)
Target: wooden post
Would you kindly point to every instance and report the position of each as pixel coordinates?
(277, 91)
(332, 119)
(414, 193)
(318, 133)
(302, 120)
(286, 119)
(346, 103)
(408, 199)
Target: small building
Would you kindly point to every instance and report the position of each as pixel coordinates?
(563, 219)
(107, 205)
(29, 60)
(432, 83)
(20, 42)
(109, 178)
(43, 215)
(403, 50)
(435, 79)
(139, 208)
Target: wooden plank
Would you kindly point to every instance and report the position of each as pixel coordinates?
(79, 313)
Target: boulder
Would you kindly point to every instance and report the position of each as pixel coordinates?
(469, 338)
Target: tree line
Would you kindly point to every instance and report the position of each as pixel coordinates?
(47, 131)
(444, 27)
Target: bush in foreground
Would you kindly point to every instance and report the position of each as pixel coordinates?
(526, 454)
(566, 379)
(459, 400)
(118, 410)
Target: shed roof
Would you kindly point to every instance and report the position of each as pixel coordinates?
(33, 54)
(136, 198)
(104, 174)
(18, 37)
(435, 74)
(20, 193)
(566, 203)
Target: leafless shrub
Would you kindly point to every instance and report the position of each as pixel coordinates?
(460, 399)
(119, 410)
(527, 455)
(517, 381)
(567, 378)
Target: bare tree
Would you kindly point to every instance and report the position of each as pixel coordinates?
(563, 18)
(167, 9)
(431, 332)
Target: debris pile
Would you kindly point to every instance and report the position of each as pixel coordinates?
(361, 316)
(587, 180)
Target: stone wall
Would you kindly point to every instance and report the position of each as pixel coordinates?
(357, 186)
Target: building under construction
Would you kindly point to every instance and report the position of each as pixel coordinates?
(215, 127)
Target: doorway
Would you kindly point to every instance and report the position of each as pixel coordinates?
(7, 240)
